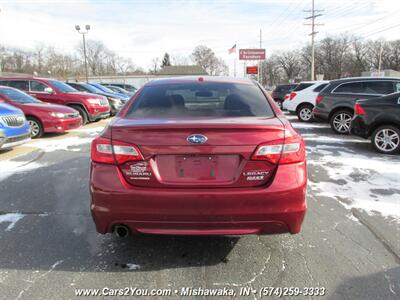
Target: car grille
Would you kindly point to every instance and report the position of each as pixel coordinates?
(13, 120)
(104, 102)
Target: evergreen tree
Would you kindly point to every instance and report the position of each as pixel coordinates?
(166, 61)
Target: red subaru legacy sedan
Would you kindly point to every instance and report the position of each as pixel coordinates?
(199, 156)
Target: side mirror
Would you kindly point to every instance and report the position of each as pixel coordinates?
(49, 90)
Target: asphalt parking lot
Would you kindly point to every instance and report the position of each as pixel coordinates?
(349, 244)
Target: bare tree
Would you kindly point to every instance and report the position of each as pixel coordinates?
(290, 62)
(206, 58)
(180, 60)
(155, 65)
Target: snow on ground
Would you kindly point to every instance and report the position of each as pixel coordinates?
(309, 125)
(10, 167)
(133, 267)
(89, 130)
(370, 182)
(340, 139)
(11, 218)
(67, 144)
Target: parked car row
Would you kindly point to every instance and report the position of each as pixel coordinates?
(31, 107)
(365, 106)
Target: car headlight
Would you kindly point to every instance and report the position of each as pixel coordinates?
(94, 101)
(57, 115)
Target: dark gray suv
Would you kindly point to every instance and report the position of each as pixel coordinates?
(336, 102)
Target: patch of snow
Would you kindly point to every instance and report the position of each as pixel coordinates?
(366, 181)
(10, 167)
(11, 218)
(330, 139)
(66, 144)
(93, 129)
(309, 125)
(132, 267)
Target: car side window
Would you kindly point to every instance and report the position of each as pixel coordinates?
(37, 86)
(19, 84)
(350, 88)
(378, 87)
(397, 88)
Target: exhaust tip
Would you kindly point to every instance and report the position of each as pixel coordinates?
(121, 231)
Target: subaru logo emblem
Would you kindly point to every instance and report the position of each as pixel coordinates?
(197, 139)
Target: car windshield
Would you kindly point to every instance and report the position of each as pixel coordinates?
(201, 100)
(17, 96)
(302, 86)
(102, 88)
(62, 87)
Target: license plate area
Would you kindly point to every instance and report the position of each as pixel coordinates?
(200, 167)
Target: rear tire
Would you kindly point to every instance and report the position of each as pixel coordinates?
(340, 121)
(386, 139)
(304, 113)
(82, 113)
(36, 127)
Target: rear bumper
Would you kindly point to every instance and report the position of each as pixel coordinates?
(358, 127)
(278, 208)
(102, 115)
(61, 125)
(289, 106)
(319, 114)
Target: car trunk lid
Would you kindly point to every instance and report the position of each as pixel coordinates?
(223, 160)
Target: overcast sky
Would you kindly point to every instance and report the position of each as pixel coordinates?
(143, 30)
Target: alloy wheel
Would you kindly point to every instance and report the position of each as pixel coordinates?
(305, 114)
(341, 122)
(35, 128)
(387, 140)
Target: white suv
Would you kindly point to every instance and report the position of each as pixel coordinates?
(301, 100)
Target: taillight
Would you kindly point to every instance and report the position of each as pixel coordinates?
(107, 152)
(319, 99)
(359, 110)
(286, 97)
(290, 151)
(292, 95)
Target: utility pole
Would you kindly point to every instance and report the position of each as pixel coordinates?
(313, 16)
(380, 59)
(260, 62)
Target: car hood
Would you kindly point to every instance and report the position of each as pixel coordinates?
(7, 109)
(81, 95)
(48, 107)
(118, 96)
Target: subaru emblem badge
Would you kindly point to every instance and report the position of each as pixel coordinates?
(196, 139)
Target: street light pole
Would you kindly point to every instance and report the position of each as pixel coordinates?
(87, 28)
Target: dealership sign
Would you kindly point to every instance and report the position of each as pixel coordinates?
(252, 70)
(251, 54)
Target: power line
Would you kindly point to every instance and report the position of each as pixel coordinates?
(379, 31)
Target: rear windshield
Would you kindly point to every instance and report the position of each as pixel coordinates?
(281, 88)
(320, 87)
(302, 86)
(202, 100)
